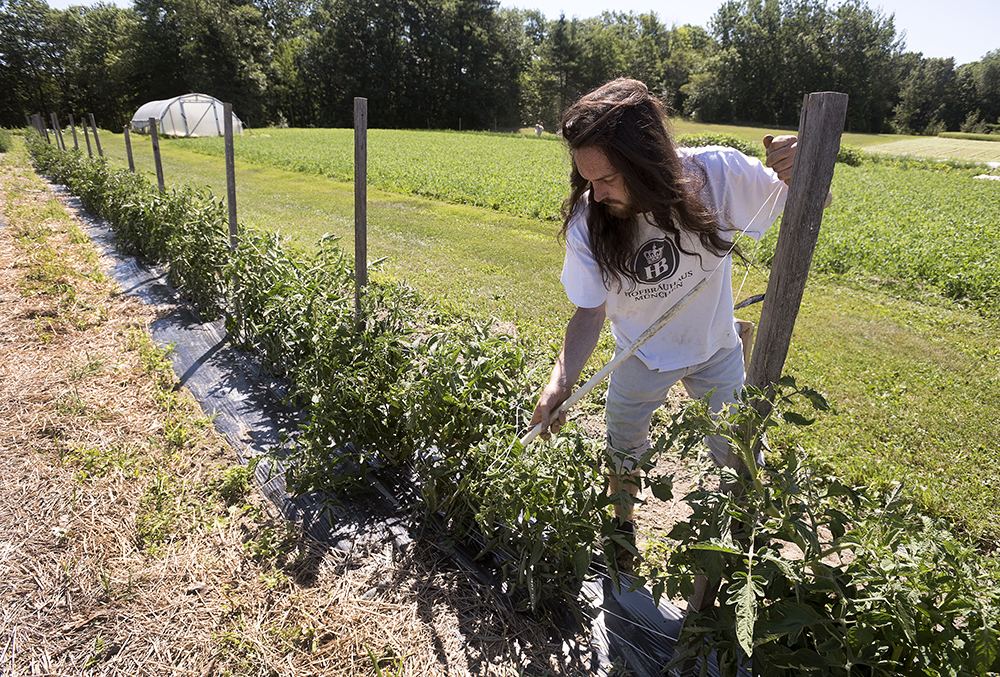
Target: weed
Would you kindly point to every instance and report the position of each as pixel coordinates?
(389, 656)
(272, 542)
(169, 509)
(234, 485)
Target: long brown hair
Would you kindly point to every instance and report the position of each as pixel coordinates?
(627, 123)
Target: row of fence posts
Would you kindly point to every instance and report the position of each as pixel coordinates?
(38, 123)
(360, 175)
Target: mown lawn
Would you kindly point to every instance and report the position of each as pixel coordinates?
(912, 374)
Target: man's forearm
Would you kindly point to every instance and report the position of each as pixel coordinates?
(582, 334)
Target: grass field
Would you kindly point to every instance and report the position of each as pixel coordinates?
(941, 148)
(911, 373)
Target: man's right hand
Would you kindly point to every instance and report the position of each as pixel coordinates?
(547, 410)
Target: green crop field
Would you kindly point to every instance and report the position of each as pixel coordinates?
(517, 174)
(897, 326)
(942, 148)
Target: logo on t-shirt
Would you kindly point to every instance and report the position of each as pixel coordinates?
(656, 260)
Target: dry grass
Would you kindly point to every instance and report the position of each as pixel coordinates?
(129, 547)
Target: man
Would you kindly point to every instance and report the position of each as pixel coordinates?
(645, 222)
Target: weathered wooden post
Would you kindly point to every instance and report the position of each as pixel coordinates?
(128, 148)
(156, 155)
(72, 124)
(56, 132)
(234, 235)
(43, 129)
(360, 202)
(97, 138)
(230, 175)
(820, 127)
(86, 136)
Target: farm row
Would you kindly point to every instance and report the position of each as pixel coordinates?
(384, 379)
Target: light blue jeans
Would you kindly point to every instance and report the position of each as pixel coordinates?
(635, 391)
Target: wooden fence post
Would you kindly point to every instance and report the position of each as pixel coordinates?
(43, 129)
(59, 133)
(156, 155)
(72, 123)
(56, 132)
(227, 126)
(820, 127)
(360, 202)
(234, 234)
(97, 138)
(86, 136)
(128, 148)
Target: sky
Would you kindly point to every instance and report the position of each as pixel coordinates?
(963, 29)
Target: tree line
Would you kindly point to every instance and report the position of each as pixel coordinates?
(468, 64)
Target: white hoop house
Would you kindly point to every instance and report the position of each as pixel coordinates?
(187, 115)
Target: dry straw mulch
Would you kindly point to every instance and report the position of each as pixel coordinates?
(120, 554)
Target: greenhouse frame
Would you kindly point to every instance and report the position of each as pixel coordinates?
(185, 115)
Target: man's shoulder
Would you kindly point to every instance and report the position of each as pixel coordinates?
(709, 154)
(721, 162)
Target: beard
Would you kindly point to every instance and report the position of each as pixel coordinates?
(614, 210)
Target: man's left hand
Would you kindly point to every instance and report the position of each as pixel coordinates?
(781, 154)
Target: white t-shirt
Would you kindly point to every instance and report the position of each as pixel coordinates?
(747, 196)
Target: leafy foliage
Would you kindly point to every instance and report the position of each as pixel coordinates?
(876, 589)
(918, 229)
(182, 227)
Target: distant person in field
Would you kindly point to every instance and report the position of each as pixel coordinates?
(539, 129)
(644, 223)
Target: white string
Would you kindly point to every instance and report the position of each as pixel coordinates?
(753, 257)
(771, 200)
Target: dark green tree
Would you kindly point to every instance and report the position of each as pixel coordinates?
(691, 47)
(30, 55)
(929, 99)
(98, 74)
(752, 57)
(865, 50)
(985, 80)
(562, 63)
(217, 47)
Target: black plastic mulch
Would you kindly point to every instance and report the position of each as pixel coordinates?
(628, 630)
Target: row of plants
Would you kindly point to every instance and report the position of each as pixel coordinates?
(877, 590)
(409, 388)
(916, 229)
(970, 136)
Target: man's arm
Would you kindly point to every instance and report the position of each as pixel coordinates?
(781, 158)
(582, 334)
